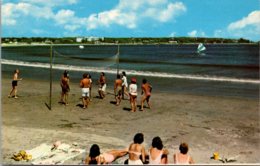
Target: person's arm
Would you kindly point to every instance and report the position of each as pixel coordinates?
(191, 161)
(115, 85)
(174, 158)
(81, 84)
(143, 154)
(68, 83)
(142, 87)
(87, 160)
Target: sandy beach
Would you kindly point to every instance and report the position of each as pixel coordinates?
(226, 125)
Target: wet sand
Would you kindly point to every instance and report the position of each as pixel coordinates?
(227, 125)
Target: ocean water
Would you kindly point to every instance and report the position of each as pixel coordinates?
(222, 70)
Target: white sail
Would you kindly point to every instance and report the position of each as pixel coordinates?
(201, 48)
(81, 46)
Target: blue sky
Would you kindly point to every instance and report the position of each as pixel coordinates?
(131, 18)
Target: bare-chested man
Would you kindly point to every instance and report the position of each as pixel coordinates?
(118, 89)
(85, 85)
(146, 92)
(15, 83)
(65, 88)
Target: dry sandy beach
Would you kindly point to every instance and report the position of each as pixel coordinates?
(227, 125)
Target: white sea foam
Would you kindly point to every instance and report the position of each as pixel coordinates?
(130, 72)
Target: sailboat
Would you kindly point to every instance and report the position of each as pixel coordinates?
(201, 48)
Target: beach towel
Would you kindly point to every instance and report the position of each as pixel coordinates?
(44, 155)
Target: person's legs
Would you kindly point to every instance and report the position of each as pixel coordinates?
(132, 103)
(66, 98)
(148, 101)
(135, 103)
(142, 102)
(118, 153)
(11, 92)
(15, 92)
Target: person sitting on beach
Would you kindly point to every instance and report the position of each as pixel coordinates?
(157, 155)
(85, 85)
(95, 157)
(182, 157)
(65, 87)
(118, 89)
(125, 85)
(146, 92)
(102, 85)
(133, 94)
(136, 150)
(15, 84)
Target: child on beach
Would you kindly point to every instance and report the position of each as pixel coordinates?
(15, 84)
(95, 157)
(133, 94)
(157, 155)
(65, 87)
(102, 85)
(146, 92)
(183, 157)
(118, 89)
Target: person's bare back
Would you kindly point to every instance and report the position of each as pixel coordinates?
(85, 83)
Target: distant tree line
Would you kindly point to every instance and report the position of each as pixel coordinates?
(129, 40)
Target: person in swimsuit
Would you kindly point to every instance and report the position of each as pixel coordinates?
(15, 84)
(157, 155)
(125, 85)
(146, 92)
(182, 157)
(133, 94)
(85, 85)
(102, 85)
(136, 150)
(118, 89)
(95, 157)
(65, 88)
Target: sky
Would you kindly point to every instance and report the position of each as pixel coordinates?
(131, 18)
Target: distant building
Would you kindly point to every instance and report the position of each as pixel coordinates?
(173, 42)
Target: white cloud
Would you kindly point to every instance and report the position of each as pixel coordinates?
(252, 19)
(196, 33)
(130, 14)
(126, 14)
(247, 27)
(173, 34)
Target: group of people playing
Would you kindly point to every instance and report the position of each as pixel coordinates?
(120, 89)
(157, 154)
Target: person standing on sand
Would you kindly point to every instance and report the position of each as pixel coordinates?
(182, 157)
(102, 85)
(125, 85)
(118, 89)
(15, 84)
(136, 150)
(85, 85)
(146, 92)
(65, 87)
(133, 94)
(157, 155)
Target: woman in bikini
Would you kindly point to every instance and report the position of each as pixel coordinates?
(183, 157)
(95, 157)
(136, 150)
(157, 155)
(118, 89)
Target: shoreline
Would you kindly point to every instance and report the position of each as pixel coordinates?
(207, 123)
